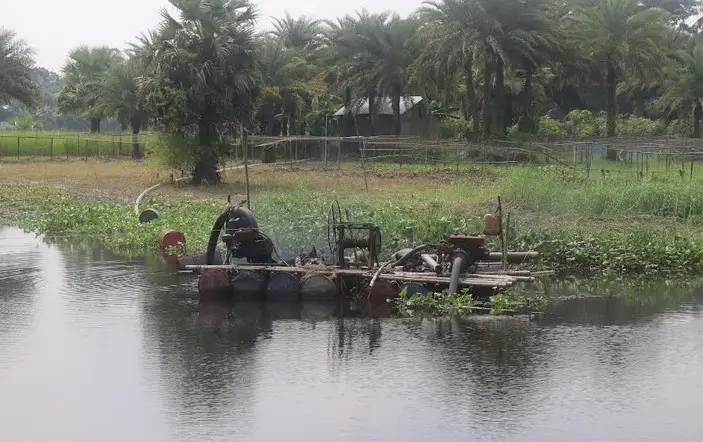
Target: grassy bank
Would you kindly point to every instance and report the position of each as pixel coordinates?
(615, 225)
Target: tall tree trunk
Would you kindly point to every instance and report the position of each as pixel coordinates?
(487, 95)
(527, 122)
(270, 121)
(94, 125)
(136, 122)
(206, 164)
(640, 110)
(372, 113)
(270, 116)
(292, 121)
(471, 93)
(500, 97)
(697, 114)
(611, 106)
(611, 102)
(396, 110)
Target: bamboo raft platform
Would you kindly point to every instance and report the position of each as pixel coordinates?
(495, 279)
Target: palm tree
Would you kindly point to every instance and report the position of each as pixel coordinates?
(290, 83)
(622, 36)
(450, 46)
(85, 74)
(299, 33)
(16, 67)
(121, 97)
(684, 91)
(374, 57)
(203, 78)
(532, 40)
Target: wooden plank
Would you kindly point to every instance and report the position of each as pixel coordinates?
(474, 279)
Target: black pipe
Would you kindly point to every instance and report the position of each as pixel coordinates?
(215, 237)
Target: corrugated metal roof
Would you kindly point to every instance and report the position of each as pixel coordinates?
(383, 106)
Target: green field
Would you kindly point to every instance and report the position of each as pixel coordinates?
(58, 144)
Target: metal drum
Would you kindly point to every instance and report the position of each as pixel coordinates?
(248, 285)
(283, 286)
(318, 286)
(214, 281)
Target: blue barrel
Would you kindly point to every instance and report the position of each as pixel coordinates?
(248, 285)
(413, 289)
(283, 286)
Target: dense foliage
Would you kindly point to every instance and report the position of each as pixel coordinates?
(492, 68)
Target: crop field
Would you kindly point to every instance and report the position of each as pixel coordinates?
(15, 145)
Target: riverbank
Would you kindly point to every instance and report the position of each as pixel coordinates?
(610, 226)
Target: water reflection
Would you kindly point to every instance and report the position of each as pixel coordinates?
(99, 348)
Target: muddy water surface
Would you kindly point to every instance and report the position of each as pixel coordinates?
(94, 348)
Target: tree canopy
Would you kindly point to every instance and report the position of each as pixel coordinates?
(504, 67)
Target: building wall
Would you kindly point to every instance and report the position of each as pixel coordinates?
(411, 123)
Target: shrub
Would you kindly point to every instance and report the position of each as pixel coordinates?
(456, 128)
(549, 128)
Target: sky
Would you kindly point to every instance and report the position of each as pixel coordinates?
(53, 27)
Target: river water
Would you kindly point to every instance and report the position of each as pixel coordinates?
(94, 348)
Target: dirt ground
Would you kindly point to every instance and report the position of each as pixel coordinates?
(123, 180)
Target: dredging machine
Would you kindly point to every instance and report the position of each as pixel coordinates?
(251, 269)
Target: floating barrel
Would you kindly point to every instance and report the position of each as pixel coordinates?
(171, 259)
(148, 215)
(214, 281)
(171, 238)
(413, 289)
(318, 286)
(283, 286)
(248, 285)
(381, 290)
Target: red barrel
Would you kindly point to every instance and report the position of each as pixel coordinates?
(214, 281)
(381, 291)
(171, 238)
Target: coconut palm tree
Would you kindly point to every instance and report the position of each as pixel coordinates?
(374, 55)
(290, 83)
(683, 95)
(85, 74)
(121, 97)
(497, 32)
(203, 79)
(16, 67)
(622, 36)
(300, 33)
(450, 47)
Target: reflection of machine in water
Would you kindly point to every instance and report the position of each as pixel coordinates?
(250, 272)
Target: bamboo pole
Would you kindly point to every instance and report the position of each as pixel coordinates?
(363, 165)
(502, 236)
(245, 149)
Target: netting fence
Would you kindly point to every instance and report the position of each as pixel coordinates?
(69, 146)
(663, 155)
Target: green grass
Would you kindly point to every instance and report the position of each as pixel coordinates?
(611, 225)
(22, 144)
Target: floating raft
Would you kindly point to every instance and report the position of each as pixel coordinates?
(487, 279)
